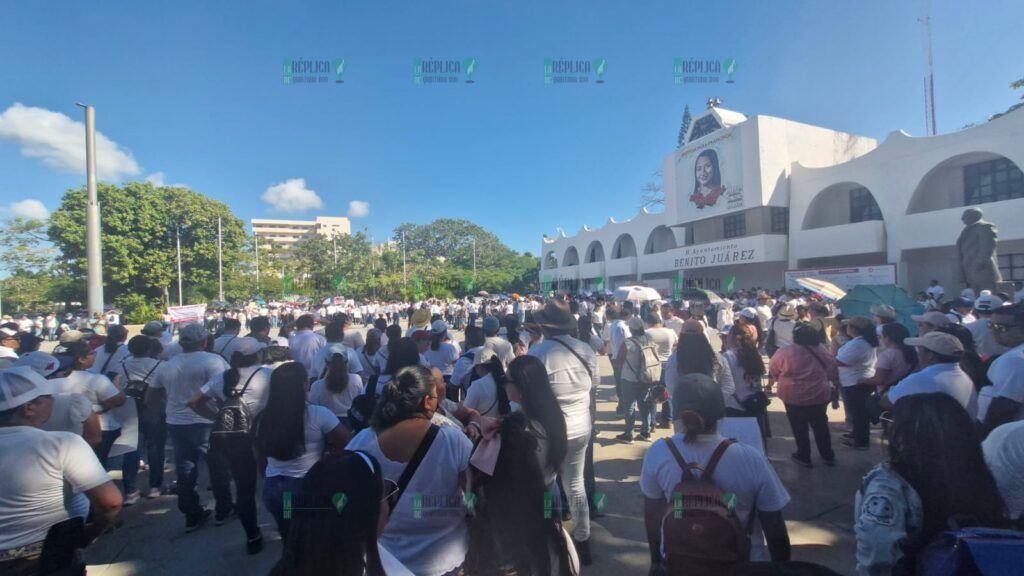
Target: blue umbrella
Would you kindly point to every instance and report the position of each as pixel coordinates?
(858, 302)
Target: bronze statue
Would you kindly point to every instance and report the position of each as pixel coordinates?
(976, 252)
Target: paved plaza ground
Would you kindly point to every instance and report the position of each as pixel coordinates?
(152, 540)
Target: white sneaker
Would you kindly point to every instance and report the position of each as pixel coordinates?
(131, 498)
(152, 493)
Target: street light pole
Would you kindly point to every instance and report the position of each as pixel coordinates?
(334, 239)
(177, 241)
(93, 247)
(220, 263)
(474, 261)
(256, 237)
(405, 277)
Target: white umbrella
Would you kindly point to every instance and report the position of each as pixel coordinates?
(636, 294)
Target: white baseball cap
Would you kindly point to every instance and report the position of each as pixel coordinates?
(20, 385)
(248, 345)
(42, 363)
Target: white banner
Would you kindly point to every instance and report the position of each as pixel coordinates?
(185, 314)
(709, 177)
(845, 278)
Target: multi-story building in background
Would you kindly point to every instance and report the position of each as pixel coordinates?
(283, 234)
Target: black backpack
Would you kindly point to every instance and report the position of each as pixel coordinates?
(137, 388)
(234, 420)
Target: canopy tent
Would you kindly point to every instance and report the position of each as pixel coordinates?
(700, 295)
(636, 294)
(822, 288)
(858, 302)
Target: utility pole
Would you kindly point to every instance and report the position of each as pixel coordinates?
(334, 240)
(474, 261)
(220, 263)
(93, 247)
(405, 276)
(256, 237)
(177, 241)
(929, 81)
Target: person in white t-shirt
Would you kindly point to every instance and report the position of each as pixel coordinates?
(303, 344)
(428, 535)
(1005, 398)
(225, 344)
(140, 367)
(741, 470)
(177, 382)
(293, 435)
(101, 391)
(935, 290)
(320, 521)
(487, 393)
(32, 501)
(337, 389)
(334, 335)
(442, 353)
(501, 346)
(249, 381)
(856, 361)
(938, 357)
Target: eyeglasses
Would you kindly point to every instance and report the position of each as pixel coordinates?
(390, 494)
(1000, 327)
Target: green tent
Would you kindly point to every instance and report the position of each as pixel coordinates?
(858, 302)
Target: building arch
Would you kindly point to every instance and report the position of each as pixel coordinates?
(624, 247)
(595, 252)
(550, 260)
(968, 179)
(572, 257)
(661, 239)
(842, 203)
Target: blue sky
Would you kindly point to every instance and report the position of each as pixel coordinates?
(194, 90)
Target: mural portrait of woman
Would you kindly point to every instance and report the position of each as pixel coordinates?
(707, 180)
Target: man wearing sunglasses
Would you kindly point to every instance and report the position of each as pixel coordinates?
(1007, 371)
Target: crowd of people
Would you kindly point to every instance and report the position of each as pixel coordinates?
(405, 448)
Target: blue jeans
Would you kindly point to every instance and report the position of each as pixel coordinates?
(633, 394)
(274, 488)
(191, 443)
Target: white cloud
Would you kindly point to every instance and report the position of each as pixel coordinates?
(292, 196)
(358, 208)
(156, 179)
(29, 209)
(59, 142)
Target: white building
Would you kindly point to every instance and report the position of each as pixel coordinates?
(749, 198)
(285, 233)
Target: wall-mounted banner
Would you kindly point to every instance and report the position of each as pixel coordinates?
(845, 278)
(709, 177)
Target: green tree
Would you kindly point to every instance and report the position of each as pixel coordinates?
(27, 258)
(138, 224)
(684, 127)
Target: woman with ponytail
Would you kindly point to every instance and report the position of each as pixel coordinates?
(248, 380)
(487, 394)
(337, 389)
(293, 435)
(113, 352)
(430, 537)
(741, 470)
